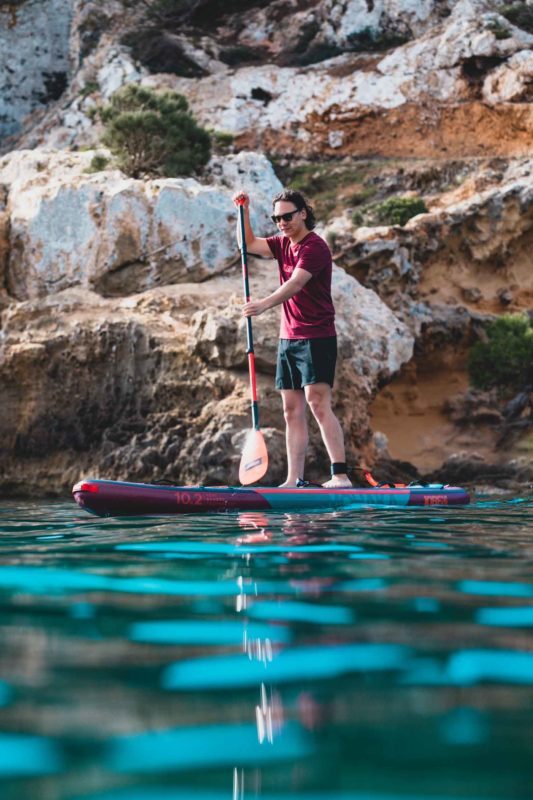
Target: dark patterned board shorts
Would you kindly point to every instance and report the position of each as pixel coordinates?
(305, 361)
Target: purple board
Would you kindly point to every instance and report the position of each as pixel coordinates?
(120, 499)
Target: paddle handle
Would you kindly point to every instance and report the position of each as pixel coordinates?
(249, 333)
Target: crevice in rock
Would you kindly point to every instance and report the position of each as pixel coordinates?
(262, 95)
(476, 68)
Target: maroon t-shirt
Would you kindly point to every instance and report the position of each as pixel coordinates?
(309, 314)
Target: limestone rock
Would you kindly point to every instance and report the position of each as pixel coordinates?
(139, 388)
(512, 81)
(345, 22)
(218, 336)
(427, 262)
(310, 105)
(429, 90)
(34, 57)
(118, 235)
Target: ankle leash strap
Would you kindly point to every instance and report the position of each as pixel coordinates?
(338, 468)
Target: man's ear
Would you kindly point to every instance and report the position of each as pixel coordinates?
(304, 212)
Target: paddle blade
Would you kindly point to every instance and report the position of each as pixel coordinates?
(254, 459)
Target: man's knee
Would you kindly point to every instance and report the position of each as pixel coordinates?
(319, 401)
(293, 412)
(293, 406)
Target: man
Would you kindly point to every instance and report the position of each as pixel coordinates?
(308, 343)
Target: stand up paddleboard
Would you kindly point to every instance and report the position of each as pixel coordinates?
(119, 499)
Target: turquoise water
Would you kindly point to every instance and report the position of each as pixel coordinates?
(372, 654)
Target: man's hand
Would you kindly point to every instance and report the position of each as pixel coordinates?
(254, 308)
(238, 198)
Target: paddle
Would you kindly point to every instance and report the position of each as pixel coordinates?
(254, 459)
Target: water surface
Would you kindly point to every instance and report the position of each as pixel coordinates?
(379, 654)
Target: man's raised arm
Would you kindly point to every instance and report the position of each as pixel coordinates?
(254, 244)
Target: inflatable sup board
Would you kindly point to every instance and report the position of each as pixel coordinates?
(120, 499)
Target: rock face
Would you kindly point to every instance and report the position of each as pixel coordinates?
(428, 90)
(447, 273)
(479, 238)
(156, 384)
(118, 235)
(34, 57)
(462, 87)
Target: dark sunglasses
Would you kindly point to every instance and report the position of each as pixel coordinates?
(276, 218)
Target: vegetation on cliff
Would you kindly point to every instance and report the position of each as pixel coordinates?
(393, 211)
(154, 133)
(520, 14)
(505, 360)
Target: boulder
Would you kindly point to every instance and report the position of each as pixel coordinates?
(512, 82)
(118, 235)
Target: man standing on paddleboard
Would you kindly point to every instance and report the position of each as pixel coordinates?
(307, 350)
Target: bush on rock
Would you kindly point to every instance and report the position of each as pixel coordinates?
(399, 210)
(505, 360)
(154, 133)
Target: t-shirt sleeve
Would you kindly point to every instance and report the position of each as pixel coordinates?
(274, 242)
(313, 259)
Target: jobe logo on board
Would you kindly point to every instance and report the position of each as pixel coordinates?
(435, 500)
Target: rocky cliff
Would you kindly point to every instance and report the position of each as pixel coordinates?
(121, 338)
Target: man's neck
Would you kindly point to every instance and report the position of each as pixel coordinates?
(298, 238)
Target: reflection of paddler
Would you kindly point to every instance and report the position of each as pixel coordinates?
(257, 522)
(297, 531)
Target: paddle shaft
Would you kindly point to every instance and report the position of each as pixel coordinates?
(249, 333)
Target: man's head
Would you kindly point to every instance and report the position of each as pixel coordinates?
(292, 213)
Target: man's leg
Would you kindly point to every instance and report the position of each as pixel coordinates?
(296, 435)
(318, 396)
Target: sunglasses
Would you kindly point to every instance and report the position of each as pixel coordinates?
(276, 218)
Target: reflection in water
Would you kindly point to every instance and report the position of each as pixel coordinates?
(298, 663)
(268, 714)
(207, 746)
(28, 755)
(370, 655)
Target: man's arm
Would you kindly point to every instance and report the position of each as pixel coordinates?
(254, 244)
(287, 290)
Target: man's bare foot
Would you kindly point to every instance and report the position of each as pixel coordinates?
(289, 484)
(338, 482)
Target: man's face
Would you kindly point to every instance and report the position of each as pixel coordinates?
(294, 226)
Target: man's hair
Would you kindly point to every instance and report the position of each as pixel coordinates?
(292, 196)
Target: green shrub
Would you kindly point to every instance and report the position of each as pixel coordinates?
(519, 14)
(505, 360)
(321, 51)
(331, 239)
(222, 141)
(398, 210)
(362, 196)
(98, 163)
(499, 30)
(370, 40)
(89, 88)
(154, 133)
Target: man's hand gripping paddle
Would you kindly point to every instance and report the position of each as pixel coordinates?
(254, 459)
